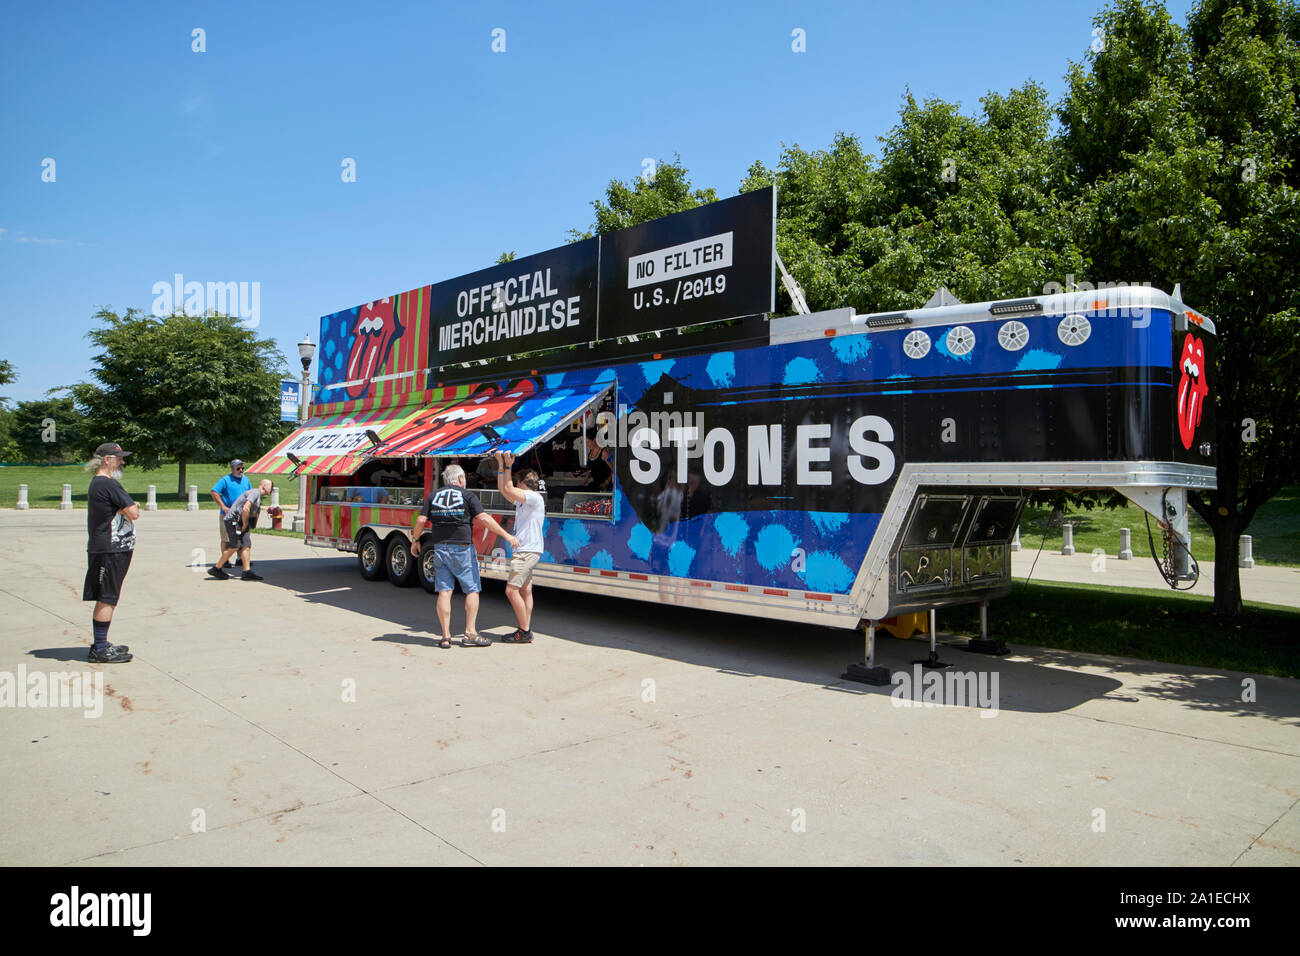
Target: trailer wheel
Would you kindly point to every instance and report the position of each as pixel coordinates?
(370, 557)
(401, 563)
(425, 570)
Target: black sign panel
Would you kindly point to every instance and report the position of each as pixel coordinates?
(537, 302)
(840, 446)
(710, 263)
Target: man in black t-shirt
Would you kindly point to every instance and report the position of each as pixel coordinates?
(450, 513)
(110, 528)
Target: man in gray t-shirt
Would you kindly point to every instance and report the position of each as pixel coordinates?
(240, 520)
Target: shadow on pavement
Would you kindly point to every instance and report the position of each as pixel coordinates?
(62, 653)
(751, 647)
(406, 637)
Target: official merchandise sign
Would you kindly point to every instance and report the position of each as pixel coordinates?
(709, 263)
(538, 302)
(290, 393)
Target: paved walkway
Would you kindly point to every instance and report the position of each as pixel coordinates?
(1267, 584)
(310, 720)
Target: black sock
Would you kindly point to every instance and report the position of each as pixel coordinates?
(101, 634)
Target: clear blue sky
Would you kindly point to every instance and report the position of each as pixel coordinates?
(225, 165)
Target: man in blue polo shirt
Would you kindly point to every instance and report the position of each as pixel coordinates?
(224, 493)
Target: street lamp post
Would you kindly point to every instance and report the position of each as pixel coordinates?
(306, 349)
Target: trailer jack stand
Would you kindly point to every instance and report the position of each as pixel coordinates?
(868, 672)
(933, 659)
(982, 644)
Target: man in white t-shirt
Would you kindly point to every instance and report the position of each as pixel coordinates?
(530, 512)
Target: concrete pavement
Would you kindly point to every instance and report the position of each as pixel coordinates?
(310, 719)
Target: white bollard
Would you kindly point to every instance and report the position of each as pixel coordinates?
(66, 503)
(1125, 545)
(275, 497)
(151, 503)
(22, 498)
(1246, 559)
(193, 503)
(1015, 540)
(1067, 542)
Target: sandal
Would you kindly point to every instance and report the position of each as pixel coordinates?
(445, 642)
(520, 636)
(475, 640)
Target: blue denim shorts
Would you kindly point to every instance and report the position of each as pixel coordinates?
(455, 562)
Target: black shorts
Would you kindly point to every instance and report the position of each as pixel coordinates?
(238, 539)
(104, 576)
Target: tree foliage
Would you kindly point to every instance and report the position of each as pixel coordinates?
(658, 192)
(8, 448)
(1182, 145)
(184, 388)
(970, 203)
(47, 430)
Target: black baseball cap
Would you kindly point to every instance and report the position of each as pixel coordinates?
(111, 448)
(236, 464)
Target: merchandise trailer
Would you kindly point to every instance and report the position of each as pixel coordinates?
(830, 468)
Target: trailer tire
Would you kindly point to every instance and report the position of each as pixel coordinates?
(400, 563)
(425, 567)
(370, 557)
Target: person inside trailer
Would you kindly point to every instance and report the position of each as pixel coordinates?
(600, 474)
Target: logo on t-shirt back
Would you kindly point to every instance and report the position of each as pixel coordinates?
(449, 500)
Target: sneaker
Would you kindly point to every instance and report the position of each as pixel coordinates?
(219, 573)
(520, 636)
(252, 576)
(112, 654)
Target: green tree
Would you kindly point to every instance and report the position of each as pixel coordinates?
(8, 448)
(48, 430)
(970, 203)
(1183, 143)
(182, 388)
(659, 191)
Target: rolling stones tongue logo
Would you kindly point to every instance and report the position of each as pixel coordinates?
(1192, 389)
(445, 428)
(372, 338)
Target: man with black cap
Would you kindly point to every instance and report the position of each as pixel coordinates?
(224, 493)
(109, 522)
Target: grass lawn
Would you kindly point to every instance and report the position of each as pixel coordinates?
(45, 484)
(281, 533)
(1134, 622)
(1276, 530)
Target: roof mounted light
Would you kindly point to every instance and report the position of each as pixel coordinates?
(889, 320)
(1016, 307)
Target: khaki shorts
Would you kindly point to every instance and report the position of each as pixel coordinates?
(521, 567)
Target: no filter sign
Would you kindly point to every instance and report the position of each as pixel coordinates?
(685, 259)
